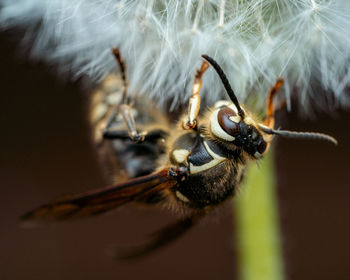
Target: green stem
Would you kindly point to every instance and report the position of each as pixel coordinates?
(257, 222)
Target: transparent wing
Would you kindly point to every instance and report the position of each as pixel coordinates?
(103, 199)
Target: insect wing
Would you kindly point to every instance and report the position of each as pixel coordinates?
(160, 238)
(103, 199)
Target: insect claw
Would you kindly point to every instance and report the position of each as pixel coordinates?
(138, 138)
(189, 125)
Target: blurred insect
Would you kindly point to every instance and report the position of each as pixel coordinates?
(119, 122)
(200, 165)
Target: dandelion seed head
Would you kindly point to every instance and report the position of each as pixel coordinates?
(305, 42)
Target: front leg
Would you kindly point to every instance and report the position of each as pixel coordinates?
(123, 109)
(270, 108)
(195, 101)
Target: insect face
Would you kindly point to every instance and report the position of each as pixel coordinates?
(228, 126)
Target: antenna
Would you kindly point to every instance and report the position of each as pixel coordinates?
(299, 135)
(226, 83)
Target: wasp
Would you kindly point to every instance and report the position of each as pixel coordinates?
(197, 164)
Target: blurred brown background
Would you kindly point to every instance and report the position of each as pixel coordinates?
(46, 151)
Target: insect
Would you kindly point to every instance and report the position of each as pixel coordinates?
(119, 122)
(201, 163)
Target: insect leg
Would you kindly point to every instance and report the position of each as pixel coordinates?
(124, 109)
(194, 104)
(128, 118)
(268, 127)
(270, 110)
(122, 67)
(160, 238)
(122, 134)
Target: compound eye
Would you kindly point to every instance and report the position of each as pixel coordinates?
(221, 103)
(229, 121)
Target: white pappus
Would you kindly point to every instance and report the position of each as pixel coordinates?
(305, 41)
